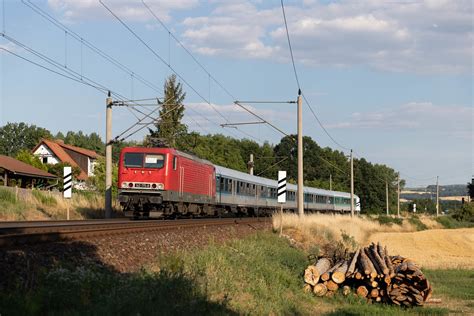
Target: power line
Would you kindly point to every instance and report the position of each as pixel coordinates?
(91, 46)
(289, 45)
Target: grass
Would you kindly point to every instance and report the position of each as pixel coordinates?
(258, 275)
(388, 220)
(42, 205)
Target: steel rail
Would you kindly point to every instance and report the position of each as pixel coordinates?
(77, 233)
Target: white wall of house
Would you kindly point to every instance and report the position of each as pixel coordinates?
(90, 166)
(46, 155)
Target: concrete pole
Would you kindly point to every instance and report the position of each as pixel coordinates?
(437, 196)
(352, 184)
(386, 195)
(300, 156)
(330, 182)
(398, 196)
(108, 157)
(251, 165)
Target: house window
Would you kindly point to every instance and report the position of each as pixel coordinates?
(45, 159)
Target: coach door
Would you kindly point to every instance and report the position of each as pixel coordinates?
(181, 182)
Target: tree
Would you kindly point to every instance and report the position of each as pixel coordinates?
(27, 157)
(98, 180)
(169, 127)
(470, 188)
(17, 136)
(88, 141)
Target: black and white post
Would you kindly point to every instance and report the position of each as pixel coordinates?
(281, 192)
(67, 186)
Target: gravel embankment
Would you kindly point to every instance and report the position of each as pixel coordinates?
(123, 253)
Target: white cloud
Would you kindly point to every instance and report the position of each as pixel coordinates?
(132, 10)
(455, 121)
(423, 37)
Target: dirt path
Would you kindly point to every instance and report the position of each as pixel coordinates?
(436, 248)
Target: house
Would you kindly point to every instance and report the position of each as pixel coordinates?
(56, 151)
(15, 172)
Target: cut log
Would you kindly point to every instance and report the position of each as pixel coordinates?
(339, 275)
(352, 265)
(374, 293)
(389, 264)
(311, 275)
(307, 288)
(362, 291)
(322, 266)
(366, 265)
(320, 289)
(377, 261)
(346, 290)
(332, 286)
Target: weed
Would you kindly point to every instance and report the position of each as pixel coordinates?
(7, 196)
(43, 198)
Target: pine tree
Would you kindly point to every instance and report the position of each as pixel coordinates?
(169, 127)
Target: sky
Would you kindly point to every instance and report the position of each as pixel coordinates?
(392, 80)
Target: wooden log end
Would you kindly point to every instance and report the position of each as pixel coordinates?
(320, 289)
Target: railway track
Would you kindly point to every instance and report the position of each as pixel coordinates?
(21, 233)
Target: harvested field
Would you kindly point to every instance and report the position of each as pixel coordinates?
(434, 249)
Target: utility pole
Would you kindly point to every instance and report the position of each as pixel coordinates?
(386, 195)
(300, 155)
(108, 157)
(437, 196)
(250, 165)
(330, 182)
(398, 196)
(352, 185)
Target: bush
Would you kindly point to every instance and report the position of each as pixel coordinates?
(415, 221)
(465, 213)
(450, 222)
(388, 220)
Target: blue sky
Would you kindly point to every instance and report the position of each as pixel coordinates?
(390, 79)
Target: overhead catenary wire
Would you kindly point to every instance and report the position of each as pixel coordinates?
(88, 44)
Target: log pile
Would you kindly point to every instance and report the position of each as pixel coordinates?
(370, 273)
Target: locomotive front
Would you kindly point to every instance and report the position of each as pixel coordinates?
(142, 180)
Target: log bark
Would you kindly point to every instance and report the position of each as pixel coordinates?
(377, 261)
(339, 275)
(323, 265)
(372, 271)
(352, 265)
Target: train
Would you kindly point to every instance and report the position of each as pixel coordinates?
(168, 183)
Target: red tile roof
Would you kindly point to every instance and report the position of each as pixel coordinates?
(21, 168)
(57, 147)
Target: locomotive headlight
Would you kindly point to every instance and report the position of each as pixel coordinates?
(124, 184)
(161, 186)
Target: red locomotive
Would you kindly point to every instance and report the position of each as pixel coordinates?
(166, 181)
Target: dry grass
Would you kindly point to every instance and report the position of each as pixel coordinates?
(45, 206)
(435, 249)
(318, 229)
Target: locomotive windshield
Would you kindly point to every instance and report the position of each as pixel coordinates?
(154, 161)
(141, 160)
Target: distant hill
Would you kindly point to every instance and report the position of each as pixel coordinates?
(430, 191)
